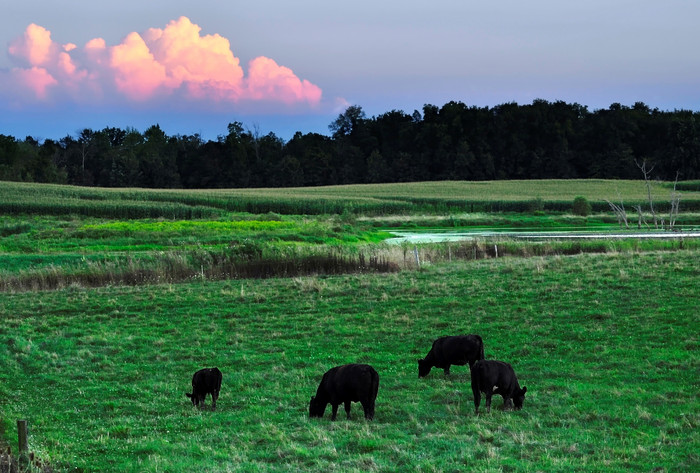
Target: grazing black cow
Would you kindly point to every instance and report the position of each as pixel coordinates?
(205, 381)
(452, 350)
(346, 384)
(496, 377)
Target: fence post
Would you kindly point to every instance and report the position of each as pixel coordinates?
(22, 436)
(495, 247)
(415, 253)
(23, 457)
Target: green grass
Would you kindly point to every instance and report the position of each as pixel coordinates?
(606, 344)
(42, 252)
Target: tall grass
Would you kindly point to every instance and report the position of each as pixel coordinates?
(250, 259)
(177, 267)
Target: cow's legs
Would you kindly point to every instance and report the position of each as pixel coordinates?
(368, 407)
(447, 370)
(335, 410)
(477, 398)
(488, 402)
(214, 397)
(347, 408)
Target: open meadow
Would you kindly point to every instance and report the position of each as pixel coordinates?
(105, 316)
(607, 346)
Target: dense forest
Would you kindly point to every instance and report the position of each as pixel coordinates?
(540, 140)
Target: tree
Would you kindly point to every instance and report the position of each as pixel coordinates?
(377, 169)
(347, 122)
(9, 159)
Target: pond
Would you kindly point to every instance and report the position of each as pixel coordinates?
(433, 236)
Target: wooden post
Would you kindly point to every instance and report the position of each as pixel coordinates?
(23, 457)
(495, 247)
(22, 436)
(415, 253)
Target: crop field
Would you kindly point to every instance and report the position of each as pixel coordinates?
(370, 199)
(110, 299)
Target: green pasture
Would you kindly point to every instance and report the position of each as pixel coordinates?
(606, 344)
(147, 286)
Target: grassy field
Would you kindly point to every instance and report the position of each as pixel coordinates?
(150, 285)
(606, 344)
(59, 236)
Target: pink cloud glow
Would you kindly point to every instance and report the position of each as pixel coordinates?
(175, 62)
(34, 47)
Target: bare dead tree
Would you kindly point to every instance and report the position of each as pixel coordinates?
(647, 172)
(640, 217)
(620, 212)
(675, 202)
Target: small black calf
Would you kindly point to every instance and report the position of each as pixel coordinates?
(205, 381)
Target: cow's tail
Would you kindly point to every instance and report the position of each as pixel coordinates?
(375, 384)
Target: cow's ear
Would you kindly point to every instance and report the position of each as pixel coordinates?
(524, 389)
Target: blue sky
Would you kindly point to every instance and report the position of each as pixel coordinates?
(297, 64)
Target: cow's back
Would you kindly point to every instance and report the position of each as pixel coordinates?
(207, 380)
(352, 382)
(489, 373)
(459, 349)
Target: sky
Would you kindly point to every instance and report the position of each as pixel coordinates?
(280, 66)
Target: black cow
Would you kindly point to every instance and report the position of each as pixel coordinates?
(205, 381)
(496, 377)
(452, 350)
(346, 384)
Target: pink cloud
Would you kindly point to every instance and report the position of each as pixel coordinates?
(36, 79)
(136, 72)
(205, 64)
(176, 62)
(34, 47)
(269, 81)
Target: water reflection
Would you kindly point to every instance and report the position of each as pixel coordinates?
(436, 237)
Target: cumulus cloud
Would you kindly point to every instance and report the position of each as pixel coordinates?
(176, 62)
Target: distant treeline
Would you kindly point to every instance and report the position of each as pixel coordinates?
(542, 140)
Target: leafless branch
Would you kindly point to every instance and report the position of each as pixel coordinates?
(647, 172)
(620, 212)
(675, 202)
(640, 217)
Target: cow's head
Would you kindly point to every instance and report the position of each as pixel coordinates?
(423, 368)
(316, 408)
(519, 398)
(194, 398)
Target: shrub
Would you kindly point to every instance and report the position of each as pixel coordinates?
(581, 206)
(535, 205)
